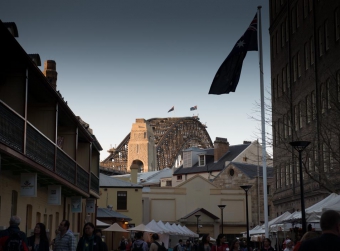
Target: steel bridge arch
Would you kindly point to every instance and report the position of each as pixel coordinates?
(172, 135)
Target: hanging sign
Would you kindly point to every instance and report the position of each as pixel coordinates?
(54, 195)
(90, 205)
(28, 185)
(76, 206)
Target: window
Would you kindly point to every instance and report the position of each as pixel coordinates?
(285, 125)
(288, 76)
(287, 30)
(313, 105)
(328, 93)
(298, 64)
(297, 16)
(311, 51)
(277, 178)
(231, 172)
(310, 5)
(307, 57)
(287, 175)
(121, 200)
(274, 89)
(168, 183)
(305, 8)
(201, 160)
(326, 36)
(338, 84)
(14, 202)
(289, 124)
(321, 42)
(284, 76)
(296, 113)
(268, 189)
(277, 43)
(337, 24)
(179, 177)
(308, 109)
(293, 20)
(300, 115)
(283, 34)
(291, 172)
(283, 176)
(294, 60)
(323, 98)
(279, 88)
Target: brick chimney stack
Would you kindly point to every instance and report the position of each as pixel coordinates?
(221, 147)
(51, 73)
(134, 168)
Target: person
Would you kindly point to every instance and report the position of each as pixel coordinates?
(53, 241)
(235, 245)
(156, 244)
(187, 246)
(307, 236)
(122, 244)
(89, 241)
(195, 246)
(289, 245)
(267, 245)
(330, 238)
(221, 245)
(284, 242)
(98, 232)
(65, 240)
(139, 244)
(205, 245)
(179, 245)
(39, 240)
(12, 230)
(129, 244)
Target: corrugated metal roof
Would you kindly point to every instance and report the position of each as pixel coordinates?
(233, 152)
(251, 170)
(108, 213)
(107, 181)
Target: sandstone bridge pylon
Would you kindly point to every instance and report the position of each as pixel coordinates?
(172, 135)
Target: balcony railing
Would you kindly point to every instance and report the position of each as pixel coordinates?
(40, 149)
(94, 183)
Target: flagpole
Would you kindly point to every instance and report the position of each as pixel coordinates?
(263, 125)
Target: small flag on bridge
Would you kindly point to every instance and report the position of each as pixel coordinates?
(172, 108)
(193, 108)
(228, 75)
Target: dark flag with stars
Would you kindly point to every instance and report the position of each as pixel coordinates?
(228, 75)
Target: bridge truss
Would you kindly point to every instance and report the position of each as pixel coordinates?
(172, 135)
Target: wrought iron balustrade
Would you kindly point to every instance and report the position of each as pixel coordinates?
(11, 129)
(94, 183)
(66, 167)
(39, 148)
(82, 179)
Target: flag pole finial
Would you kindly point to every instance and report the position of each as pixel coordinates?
(259, 7)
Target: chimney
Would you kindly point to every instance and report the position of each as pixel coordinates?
(51, 73)
(134, 168)
(221, 147)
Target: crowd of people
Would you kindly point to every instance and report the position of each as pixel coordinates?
(12, 239)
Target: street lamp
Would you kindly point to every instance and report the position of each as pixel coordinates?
(221, 207)
(300, 146)
(246, 189)
(197, 216)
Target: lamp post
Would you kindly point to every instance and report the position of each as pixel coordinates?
(300, 146)
(197, 216)
(221, 207)
(246, 189)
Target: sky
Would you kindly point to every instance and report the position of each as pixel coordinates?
(118, 60)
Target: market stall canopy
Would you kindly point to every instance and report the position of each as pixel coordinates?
(101, 224)
(115, 228)
(157, 229)
(194, 234)
(142, 228)
(167, 230)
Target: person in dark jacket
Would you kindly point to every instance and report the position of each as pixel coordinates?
(267, 245)
(14, 223)
(99, 233)
(38, 241)
(205, 245)
(89, 241)
(330, 238)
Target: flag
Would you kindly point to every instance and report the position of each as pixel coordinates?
(171, 109)
(193, 108)
(228, 75)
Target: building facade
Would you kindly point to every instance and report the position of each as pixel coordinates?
(305, 70)
(49, 158)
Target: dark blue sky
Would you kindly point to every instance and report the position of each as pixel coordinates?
(122, 60)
